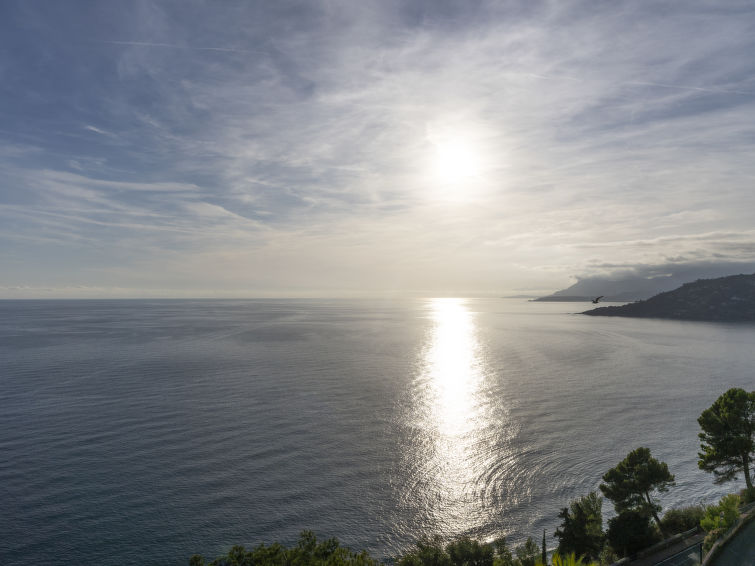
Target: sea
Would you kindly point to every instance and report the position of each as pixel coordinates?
(146, 431)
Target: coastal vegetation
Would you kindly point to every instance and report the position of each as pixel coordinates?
(630, 484)
(581, 531)
(633, 485)
(728, 436)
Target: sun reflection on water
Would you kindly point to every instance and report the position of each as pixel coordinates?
(452, 367)
(451, 378)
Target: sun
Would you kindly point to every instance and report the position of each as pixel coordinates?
(455, 160)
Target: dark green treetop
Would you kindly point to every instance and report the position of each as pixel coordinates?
(630, 484)
(428, 552)
(527, 554)
(728, 436)
(461, 552)
(468, 552)
(581, 531)
(308, 552)
(630, 532)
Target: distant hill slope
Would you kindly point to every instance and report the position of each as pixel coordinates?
(622, 290)
(643, 282)
(726, 299)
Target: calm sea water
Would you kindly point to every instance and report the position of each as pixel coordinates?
(141, 432)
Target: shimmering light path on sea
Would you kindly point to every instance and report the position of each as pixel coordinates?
(157, 429)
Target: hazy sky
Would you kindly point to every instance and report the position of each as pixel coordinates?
(325, 148)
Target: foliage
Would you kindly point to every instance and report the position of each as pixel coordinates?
(630, 532)
(720, 518)
(527, 553)
(461, 552)
(570, 560)
(308, 552)
(748, 496)
(429, 552)
(723, 515)
(581, 531)
(711, 538)
(543, 551)
(468, 552)
(608, 555)
(682, 519)
(728, 436)
(503, 555)
(631, 482)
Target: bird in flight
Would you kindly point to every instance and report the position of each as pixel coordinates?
(596, 300)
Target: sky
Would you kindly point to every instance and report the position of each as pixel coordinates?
(341, 148)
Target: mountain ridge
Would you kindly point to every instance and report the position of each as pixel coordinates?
(723, 299)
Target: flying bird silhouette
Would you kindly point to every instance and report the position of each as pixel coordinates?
(596, 300)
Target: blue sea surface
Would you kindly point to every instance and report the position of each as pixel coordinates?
(142, 432)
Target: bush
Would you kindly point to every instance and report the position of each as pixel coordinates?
(527, 554)
(461, 552)
(683, 519)
(570, 560)
(608, 555)
(723, 515)
(308, 552)
(468, 552)
(748, 496)
(631, 532)
(429, 552)
(710, 539)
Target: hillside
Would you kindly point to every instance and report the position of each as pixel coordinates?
(726, 299)
(621, 290)
(643, 282)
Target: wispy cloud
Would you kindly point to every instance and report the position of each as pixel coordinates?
(246, 139)
(173, 46)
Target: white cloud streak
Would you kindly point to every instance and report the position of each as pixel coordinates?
(605, 134)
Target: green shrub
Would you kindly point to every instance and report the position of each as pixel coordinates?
(468, 552)
(630, 532)
(608, 555)
(308, 552)
(682, 519)
(710, 539)
(723, 515)
(570, 560)
(428, 552)
(527, 554)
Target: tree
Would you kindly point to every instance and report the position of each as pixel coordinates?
(429, 552)
(630, 532)
(502, 553)
(581, 531)
(527, 553)
(308, 552)
(468, 552)
(630, 484)
(728, 436)
(543, 552)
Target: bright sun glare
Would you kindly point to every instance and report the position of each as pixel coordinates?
(455, 161)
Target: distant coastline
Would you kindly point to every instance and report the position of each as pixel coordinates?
(725, 299)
